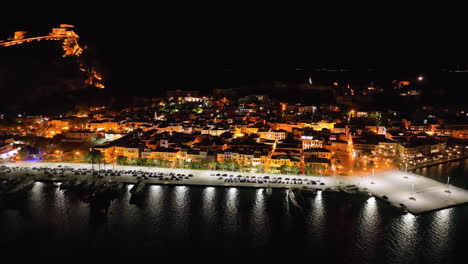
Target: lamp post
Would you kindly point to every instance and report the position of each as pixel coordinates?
(448, 185)
(59, 152)
(412, 192)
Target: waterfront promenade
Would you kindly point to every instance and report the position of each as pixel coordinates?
(419, 194)
(435, 162)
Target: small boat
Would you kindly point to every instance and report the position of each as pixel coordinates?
(331, 189)
(349, 189)
(122, 187)
(137, 187)
(295, 196)
(364, 192)
(400, 207)
(307, 190)
(70, 184)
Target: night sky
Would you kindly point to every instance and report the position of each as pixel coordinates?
(223, 45)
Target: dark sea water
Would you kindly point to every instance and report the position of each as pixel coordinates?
(180, 224)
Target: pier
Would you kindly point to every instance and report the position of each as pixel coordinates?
(418, 194)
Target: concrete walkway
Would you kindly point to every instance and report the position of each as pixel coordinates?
(428, 194)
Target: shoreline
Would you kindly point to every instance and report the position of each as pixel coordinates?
(398, 186)
(433, 163)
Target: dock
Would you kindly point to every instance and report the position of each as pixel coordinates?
(418, 194)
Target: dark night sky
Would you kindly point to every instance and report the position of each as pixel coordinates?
(182, 46)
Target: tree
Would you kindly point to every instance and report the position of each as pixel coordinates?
(195, 165)
(203, 164)
(47, 158)
(231, 165)
(260, 169)
(311, 168)
(121, 160)
(223, 165)
(321, 168)
(24, 153)
(212, 165)
(94, 156)
(315, 168)
(141, 162)
(285, 169)
(182, 163)
(294, 169)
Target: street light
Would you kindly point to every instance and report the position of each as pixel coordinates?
(412, 193)
(58, 153)
(448, 185)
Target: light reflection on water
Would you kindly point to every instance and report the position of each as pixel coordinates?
(439, 235)
(404, 239)
(181, 207)
(316, 218)
(238, 219)
(208, 205)
(155, 202)
(259, 219)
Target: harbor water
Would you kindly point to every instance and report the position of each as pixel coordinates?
(192, 223)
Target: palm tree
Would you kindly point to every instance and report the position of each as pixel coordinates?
(95, 156)
(294, 169)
